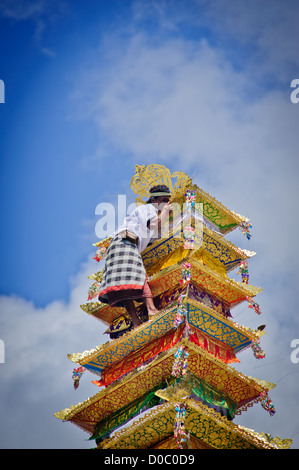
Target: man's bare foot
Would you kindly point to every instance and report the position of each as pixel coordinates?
(130, 307)
(150, 306)
(152, 313)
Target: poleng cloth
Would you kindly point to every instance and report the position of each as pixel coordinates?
(123, 272)
(138, 223)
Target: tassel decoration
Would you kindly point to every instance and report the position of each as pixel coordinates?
(181, 312)
(180, 433)
(188, 235)
(190, 198)
(188, 232)
(100, 253)
(180, 364)
(186, 273)
(245, 229)
(257, 351)
(255, 306)
(268, 406)
(77, 374)
(93, 291)
(243, 270)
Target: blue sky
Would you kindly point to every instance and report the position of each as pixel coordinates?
(93, 88)
(46, 187)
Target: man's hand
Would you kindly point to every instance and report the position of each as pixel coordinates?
(163, 214)
(167, 208)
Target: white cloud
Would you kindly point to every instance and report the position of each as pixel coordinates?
(36, 378)
(268, 28)
(183, 100)
(265, 29)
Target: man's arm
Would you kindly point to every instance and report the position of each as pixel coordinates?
(155, 223)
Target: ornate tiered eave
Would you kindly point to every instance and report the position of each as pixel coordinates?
(231, 291)
(209, 322)
(212, 430)
(145, 177)
(210, 244)
(242, 390)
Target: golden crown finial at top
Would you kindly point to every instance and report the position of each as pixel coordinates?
(152, 175)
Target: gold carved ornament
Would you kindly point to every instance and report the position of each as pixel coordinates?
(206, 424)
(153, 175)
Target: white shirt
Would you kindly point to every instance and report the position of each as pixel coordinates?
(136, 223)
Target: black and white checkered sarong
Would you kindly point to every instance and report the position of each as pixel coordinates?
(123, 271)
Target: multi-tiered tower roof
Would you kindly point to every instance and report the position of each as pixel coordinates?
(170, 382)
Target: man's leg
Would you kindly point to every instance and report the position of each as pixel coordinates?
(131, 309)
(148, 300)
(151, 309)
